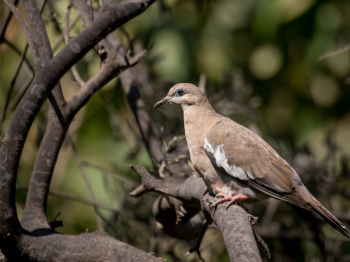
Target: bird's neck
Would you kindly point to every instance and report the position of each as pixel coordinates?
(198, 117)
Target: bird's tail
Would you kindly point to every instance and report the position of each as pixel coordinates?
(322, 211)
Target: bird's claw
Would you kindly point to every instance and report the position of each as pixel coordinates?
(232, 199)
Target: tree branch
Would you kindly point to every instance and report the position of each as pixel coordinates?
(11, 232)
(61, 39)
(233, 223)
(142, 118)
(66, 38)
(20, 19)
(29, 70)
(6, 22)
(114, 49)
(107, 72)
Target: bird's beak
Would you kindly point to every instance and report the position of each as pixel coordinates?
(164, 101)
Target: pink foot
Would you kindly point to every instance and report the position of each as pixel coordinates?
(229, 198)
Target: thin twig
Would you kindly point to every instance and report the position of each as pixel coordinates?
(334, 52)
(20, 19)
(91, 10)
(61, 39)
(197, 245)
(202, 82)
(92, 195)
(82, 200)
(19, 96)
(30, 71)
(6, 22)
(29, 68)
(66, 38)
(112, 174)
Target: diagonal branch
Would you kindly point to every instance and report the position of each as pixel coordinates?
(113, 49)
(124, 179)
(6, 22)
(20, 19)
(107, 72)
(11, 233)
(87, 183)
(41, 48)
(334, 52)
(61, 39)
(143, 120)
(66, 38)
(22, 60)
(29, 70)
(233, 223)
(82, 200)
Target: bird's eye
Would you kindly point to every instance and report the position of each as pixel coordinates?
(180, 92)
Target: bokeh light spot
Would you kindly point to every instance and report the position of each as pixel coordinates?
(324, 90)
(265, 62)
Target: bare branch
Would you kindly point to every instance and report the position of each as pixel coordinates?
(35, 207)
(41, 49)
(142, 118)
(233, 223)
(334, 52)
(18, 97)
(6, 22)
(196, 246)
(66, 37)
(11, 232)
(20, 19)
(107, 72)
(61, 39)
(82, 200)
(114, 50)
(112, 174)
(29, 70)
(22, 60)
(87, 183)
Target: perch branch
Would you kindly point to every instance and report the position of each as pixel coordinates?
(233, 223)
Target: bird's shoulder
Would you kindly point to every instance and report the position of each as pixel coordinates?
(235, 137)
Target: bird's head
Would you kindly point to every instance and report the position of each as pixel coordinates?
(183, 94)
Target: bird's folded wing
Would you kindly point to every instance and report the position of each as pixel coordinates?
(243, 155)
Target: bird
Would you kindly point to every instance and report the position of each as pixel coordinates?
(236, 164)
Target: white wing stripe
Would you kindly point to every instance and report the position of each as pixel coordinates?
(221, 161)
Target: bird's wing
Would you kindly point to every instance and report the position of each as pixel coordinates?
(240, 153)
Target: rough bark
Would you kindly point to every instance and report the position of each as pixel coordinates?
(37, 241)
(233, 223)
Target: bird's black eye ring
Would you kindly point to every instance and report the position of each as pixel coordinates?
(180, 92)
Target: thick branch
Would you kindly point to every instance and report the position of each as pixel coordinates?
(40, 46)
(96, 246)
(233, 222)
(38, 40)
(107, 72)
(109, 18)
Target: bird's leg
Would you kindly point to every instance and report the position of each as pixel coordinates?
(232, 199)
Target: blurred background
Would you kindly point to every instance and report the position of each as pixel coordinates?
(278, 67)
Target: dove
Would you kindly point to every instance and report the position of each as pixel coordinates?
(234, 162)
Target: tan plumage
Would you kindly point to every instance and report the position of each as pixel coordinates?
(234, 162)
